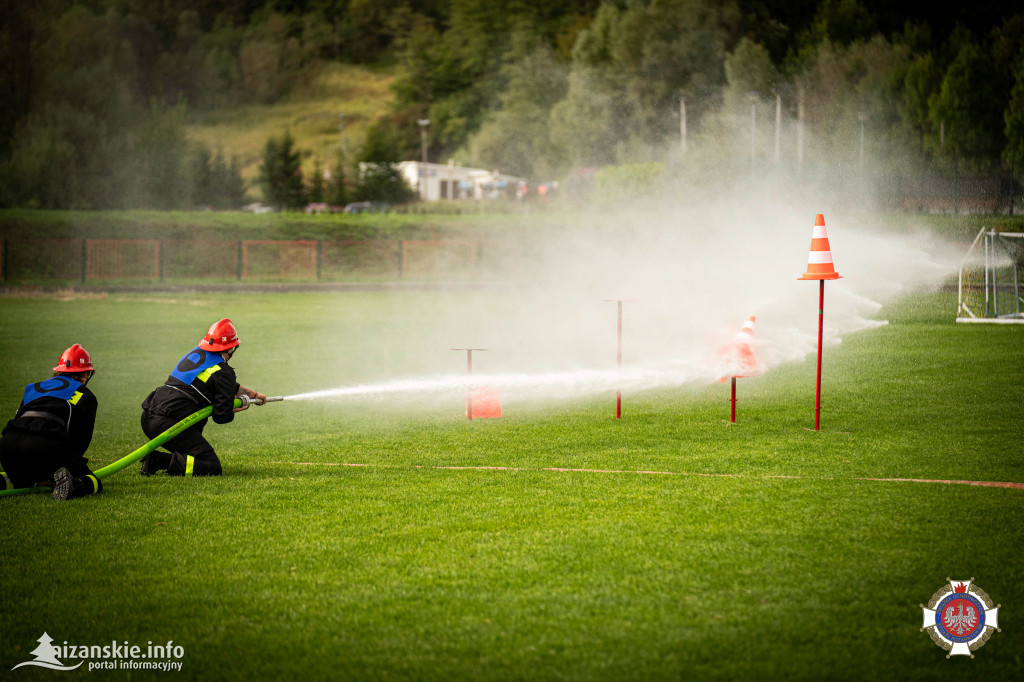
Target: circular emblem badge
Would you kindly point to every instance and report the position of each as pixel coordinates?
(960, 617)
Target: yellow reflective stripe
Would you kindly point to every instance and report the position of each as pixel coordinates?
(75, 398)
(95, 483)
(189, 463)
(207, 372)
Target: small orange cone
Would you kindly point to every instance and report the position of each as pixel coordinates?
(740, 352)
(819, 260)
(485, 403)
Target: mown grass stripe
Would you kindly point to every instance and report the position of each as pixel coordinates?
(986, 484)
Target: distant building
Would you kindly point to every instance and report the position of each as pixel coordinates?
(437, 181)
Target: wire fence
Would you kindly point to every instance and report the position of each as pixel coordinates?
(26, 261)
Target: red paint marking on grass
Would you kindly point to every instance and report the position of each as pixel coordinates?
(480, 468)
(589, 471)
(324, 464)
(984, 484)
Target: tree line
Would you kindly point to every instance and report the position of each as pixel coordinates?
(99, 91)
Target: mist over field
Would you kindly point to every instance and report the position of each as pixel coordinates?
(692, 270)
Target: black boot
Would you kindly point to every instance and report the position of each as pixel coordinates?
(177, 464)
(154, 462)
(68, 487)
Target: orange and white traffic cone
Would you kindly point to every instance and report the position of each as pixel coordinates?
(819, 267)
(819, 260)
(740, 353)
(483, 403)
(744, 350)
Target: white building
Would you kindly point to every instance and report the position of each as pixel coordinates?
(436, 181)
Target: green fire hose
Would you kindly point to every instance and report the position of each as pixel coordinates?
(149, 447)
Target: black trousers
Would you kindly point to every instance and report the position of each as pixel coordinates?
(29, 458)
(188, 453)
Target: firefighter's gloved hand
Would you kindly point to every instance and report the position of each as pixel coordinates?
(253, 397)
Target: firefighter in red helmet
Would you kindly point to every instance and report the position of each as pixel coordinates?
(46, 441)
(200, 379)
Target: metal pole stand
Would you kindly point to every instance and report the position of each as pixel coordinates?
(618, 352)
(732, 401)
(469, 387)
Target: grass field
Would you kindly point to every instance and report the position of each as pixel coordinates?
(772, 557)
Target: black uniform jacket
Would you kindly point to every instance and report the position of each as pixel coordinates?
(70, 426)
(178, 400)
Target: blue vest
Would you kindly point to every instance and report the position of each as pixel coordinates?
(63, 388)
(195, 363)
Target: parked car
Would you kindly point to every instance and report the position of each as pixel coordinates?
(367, 207)
(258, 208)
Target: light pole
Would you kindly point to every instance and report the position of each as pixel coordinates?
(423, 123)
(451, 178)
(800, 130)
(752, 96)
(682, 125)
(861, 116)
(344, 141)
(778, 127)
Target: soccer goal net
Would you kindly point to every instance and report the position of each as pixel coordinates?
(990, 287)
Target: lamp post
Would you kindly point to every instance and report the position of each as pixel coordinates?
(423, 123)
(451, 178)
(800, 130)
(344, 141)
(778, 127)
(682, 125)
(861, 116)
(752, 96)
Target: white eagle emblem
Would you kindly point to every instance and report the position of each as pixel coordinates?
(960, 622)
(960, 617)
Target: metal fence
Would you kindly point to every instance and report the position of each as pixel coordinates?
(85, 260)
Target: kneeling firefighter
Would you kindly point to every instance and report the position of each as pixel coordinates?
(202, 378)
(46, 441)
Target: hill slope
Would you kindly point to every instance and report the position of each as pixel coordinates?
(310, 113)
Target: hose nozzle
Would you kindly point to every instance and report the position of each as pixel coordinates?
(245, 401)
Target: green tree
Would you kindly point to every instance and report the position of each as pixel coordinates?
(613, 184)
(516, 137)
(1013, 118)
(921, 81)
(227, 186)
(280, 174)
(379, 178)
(630, 66)
(158, 153)
(337, 190)
(316, 183)
(967, 106)
(201, 172)
(748, 68)
(842, 22)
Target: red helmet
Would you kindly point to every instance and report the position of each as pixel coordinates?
(74, 359)
(220, 336)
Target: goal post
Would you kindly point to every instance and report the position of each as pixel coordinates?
(989, 284)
